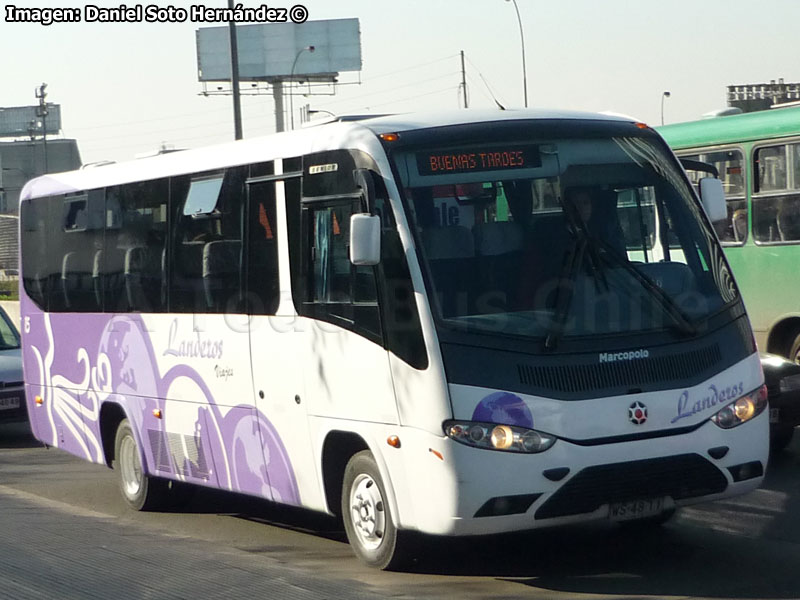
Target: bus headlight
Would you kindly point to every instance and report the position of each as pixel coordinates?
(742, 409)
(498, 437)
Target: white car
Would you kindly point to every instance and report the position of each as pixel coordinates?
(12, 391)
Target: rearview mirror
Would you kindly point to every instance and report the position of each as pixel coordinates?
(713, 198)
(365, 239)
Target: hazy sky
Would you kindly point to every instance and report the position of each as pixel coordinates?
(126, 88)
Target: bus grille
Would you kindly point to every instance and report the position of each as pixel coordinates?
(626, 373)
(680, 477)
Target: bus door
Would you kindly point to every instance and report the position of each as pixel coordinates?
(275, 348)
(347, 367)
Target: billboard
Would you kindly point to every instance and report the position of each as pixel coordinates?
(275, 50)
(16, 121)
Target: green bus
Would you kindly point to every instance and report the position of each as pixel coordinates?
(757, 156)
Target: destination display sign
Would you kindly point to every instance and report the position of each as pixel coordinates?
(471, 160)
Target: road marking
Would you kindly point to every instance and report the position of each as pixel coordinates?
(54, 504)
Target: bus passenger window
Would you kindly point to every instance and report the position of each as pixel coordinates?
(130, 270)
(206, 252)
(82, 238)
(776, 201)
(730, 166)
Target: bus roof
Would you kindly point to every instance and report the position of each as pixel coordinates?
(339, 134)
(765, 124)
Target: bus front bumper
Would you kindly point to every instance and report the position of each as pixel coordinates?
(469, 491)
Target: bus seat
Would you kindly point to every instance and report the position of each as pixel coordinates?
(674, 278)
(186, 288)
(136, 277)
(69, 278)
(97, 276)
(739, 221)
(788, 220)
(107, 276)
(221, 260)
(76, 282)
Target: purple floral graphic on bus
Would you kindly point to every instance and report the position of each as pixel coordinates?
(504, 408)
(79, 364)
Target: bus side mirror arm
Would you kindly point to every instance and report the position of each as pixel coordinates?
(365, 239)
(713, 198)
(365, 180)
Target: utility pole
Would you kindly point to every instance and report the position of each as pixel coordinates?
(42, 112)
(237, 106)
(464, 80)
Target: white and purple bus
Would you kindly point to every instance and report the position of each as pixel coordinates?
(455, 324)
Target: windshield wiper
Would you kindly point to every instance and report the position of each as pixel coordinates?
(612, 258)
(601, 251)
(582, 245)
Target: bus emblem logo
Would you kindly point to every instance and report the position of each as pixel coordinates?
(637, 413)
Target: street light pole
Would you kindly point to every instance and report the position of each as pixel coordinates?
(291, 89)
(41, 111)
(522, 40)
(664, 96)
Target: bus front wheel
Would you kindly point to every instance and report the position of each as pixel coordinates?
(368, 520)
(139, 490)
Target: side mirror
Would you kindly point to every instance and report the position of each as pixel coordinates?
(713, 198)
(365, 239)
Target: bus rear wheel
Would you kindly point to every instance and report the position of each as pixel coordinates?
(368, 521)
(140, 491)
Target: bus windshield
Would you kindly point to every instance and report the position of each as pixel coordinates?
(565, 236)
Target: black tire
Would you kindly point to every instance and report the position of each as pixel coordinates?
(793, 350)
(367, 517)
(780, 438)
(140, 491)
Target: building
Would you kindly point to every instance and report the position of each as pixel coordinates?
(762, 96)
(24, 159)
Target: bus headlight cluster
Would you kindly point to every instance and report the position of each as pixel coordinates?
(498, 437)
(742, 409)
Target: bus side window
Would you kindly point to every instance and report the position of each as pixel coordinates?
(776, 200)
(730, 166)
(336, 290)
(34, 248)
(129, 273)
(206, 246)
(82, 224)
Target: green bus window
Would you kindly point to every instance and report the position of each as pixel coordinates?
(730, 166)
(771, 163)
(776, 202)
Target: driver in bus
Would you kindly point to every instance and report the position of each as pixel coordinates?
(598, 212)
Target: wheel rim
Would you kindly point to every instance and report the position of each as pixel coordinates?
(130, 467)
(368, 512)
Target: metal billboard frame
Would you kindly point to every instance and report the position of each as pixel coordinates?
(277, 51)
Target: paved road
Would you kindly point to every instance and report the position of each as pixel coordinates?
(64, 533)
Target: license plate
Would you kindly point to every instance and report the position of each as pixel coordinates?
(774, 415)
(636, 509)
(9, 403)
